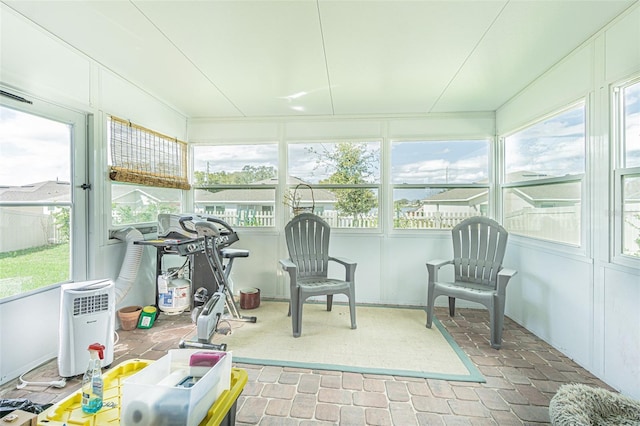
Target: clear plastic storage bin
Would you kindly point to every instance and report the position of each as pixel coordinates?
(162, 393)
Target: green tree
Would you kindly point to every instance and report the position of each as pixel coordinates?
(352, 164)
(248, 174)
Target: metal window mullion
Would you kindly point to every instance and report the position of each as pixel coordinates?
(35, 204)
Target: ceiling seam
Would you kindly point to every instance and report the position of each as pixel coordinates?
(475, 47)
(324, 52)
(224, 95)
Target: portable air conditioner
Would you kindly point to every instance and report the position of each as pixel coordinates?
(87, 315)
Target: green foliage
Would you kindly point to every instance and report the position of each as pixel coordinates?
(248, 175)
(33, 268)
(124, 214)
(62, 220)
(352, 164)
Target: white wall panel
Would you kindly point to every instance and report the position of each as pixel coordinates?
(315, 130)
(122, 99)
(444, 125)
(218, 131)
(403, 266)
(552, 296)
(40, 64)
(622, 55)
(565, 83)
(622, 336)
(366, 251)
(259, 270)
(27, 339)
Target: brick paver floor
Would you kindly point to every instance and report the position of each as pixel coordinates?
(521, 377)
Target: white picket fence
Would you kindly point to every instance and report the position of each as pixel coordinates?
(419, 220)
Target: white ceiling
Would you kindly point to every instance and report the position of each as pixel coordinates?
(325, 57)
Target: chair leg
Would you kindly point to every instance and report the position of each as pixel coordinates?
(430, 302)
(352, 309)
(452, 306)
(329, 302)
(294, 308)
(299, 318)
(497, 322)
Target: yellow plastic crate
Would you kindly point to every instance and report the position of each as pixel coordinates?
(69, 411)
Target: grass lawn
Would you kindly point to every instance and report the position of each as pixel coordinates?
(30, 269)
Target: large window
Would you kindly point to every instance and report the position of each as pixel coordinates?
(544, 167)
(627, 173)
(41, 210)
(236, 183)
(338, 180)
(437, 184)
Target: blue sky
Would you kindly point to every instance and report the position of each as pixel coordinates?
(464, 161)
(554, 147)
(27, 140)
(232, 158)
(632, 122)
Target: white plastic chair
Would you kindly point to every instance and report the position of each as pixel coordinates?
(479, 245)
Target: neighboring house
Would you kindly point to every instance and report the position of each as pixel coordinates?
(474, 200)
(251, 202)
(26, 226)
(138, 198)
(457, 200)
(532, 210)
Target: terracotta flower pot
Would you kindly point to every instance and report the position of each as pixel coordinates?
(129, 316)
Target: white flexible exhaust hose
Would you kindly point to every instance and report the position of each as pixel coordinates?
(130, 263)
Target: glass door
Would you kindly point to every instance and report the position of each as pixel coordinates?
(42, 203)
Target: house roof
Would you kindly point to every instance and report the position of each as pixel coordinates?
(469, 196)
(157, 194)
(263, 196)
(560, 192)
(50, 191)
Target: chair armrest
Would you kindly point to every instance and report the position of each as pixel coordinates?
(503, 279)
(288, 265)
(434, 265)
(292, 269)
(349, 266)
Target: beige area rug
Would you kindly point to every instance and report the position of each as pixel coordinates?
(388, 341)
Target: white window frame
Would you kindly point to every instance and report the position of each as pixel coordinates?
(620, 171)
(580, 249)
(374, 186)
(489, 186)
(274, 187)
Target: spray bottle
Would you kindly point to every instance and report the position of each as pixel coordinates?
(92, 381)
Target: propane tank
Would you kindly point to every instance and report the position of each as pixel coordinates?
(173, 292)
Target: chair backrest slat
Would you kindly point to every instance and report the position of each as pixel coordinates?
(479, 244)
(307, 237)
